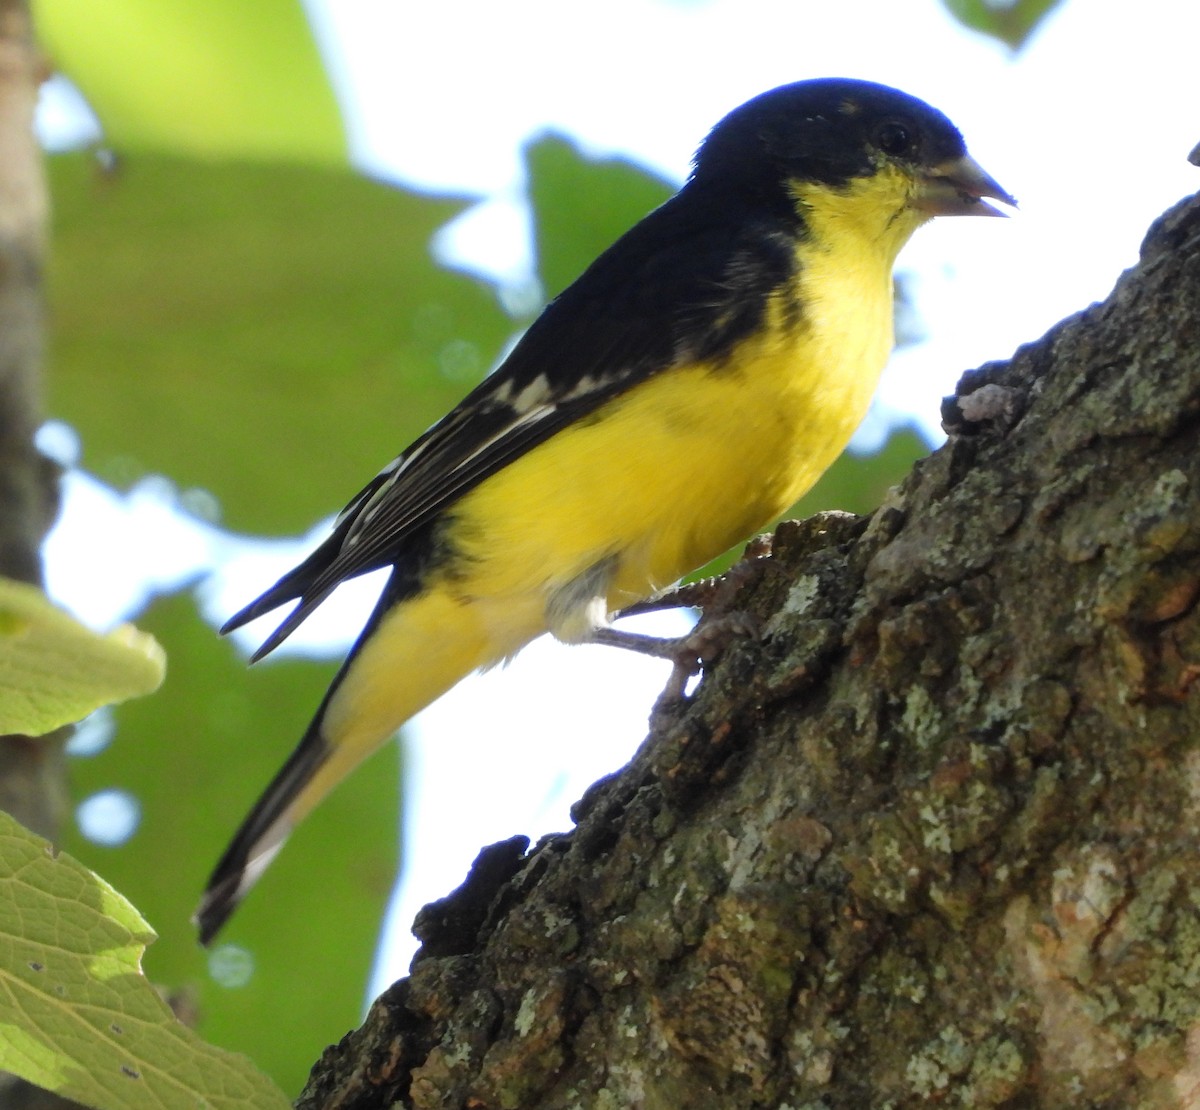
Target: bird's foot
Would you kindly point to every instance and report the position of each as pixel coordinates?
(700, 648)
(719, 625)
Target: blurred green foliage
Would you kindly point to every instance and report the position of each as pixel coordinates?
(1011, 21)
(581, 205)
(195, 756)
(226, 79)
(272, 333)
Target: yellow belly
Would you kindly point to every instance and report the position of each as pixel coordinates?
(679, 469)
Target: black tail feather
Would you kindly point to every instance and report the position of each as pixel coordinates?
(260, 836)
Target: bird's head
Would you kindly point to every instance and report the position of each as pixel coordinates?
(852, 151)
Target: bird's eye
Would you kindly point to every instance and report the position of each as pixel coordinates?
(894, 139)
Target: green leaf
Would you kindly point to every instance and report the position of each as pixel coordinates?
(54, 670)
(272, 334)
(77, 1016)
(288, 975)
(582, 205)
(223, 79)
(1010, 21)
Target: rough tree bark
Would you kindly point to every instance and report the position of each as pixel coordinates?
(32, 781)
(33, 784)
(931, 838)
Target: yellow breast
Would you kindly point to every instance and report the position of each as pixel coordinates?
(683, 466)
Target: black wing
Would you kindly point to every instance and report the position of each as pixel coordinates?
(685, 284)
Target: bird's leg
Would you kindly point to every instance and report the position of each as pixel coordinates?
(717, 626)
(702, 645)
(688, 654)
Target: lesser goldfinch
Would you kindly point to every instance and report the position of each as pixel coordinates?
(686, 390)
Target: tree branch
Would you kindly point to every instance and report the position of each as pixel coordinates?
(32, 773)
(32, 782)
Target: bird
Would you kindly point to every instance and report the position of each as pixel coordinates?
(682, 393)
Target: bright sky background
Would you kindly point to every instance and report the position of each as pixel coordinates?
(1090, 127)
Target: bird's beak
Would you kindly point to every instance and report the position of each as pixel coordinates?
(957, 188)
